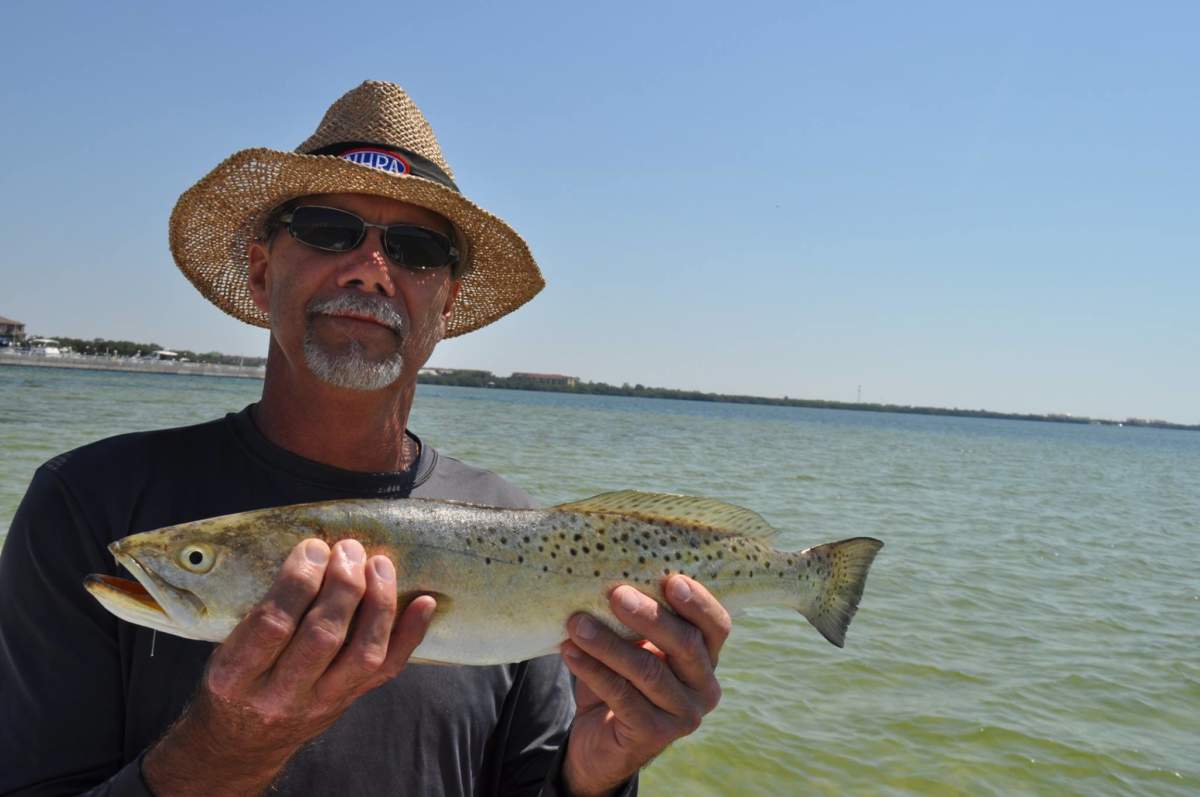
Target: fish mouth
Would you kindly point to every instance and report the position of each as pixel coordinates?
(124, 590)
(150, 601)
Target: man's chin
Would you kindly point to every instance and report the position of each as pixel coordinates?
(349, 367)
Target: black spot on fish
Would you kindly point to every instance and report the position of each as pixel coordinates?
(545, 568)
(578, 537)
(585, 549)
(504, 541)
(487, 561)
(641, 560)
(526, 538)
(625, 574)
(599, 546)
(573, 552)
(737, 572)
(678, 555)
(666, 571)
(596, 573)
(568, 571)
(520, 560)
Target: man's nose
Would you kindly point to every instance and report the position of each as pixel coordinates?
(367, 268)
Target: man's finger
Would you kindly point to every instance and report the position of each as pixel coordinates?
(694, 603)
(647, 673)
(256, 642)
(367, 650)
(407, 633)
(608, 686)
(323, 630)
(684, 643)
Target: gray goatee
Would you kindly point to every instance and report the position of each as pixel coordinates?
(353, 369)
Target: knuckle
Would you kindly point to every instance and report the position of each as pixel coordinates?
(372, 657)
(664, 728)
(693, 643)
(347, 579)
(321, 637)
(650, 668)
(219, 681)
(271, 624)
(724, 625)
(620, 690)
(690, 721)
(712, 696)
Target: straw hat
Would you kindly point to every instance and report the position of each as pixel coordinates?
(374, 140)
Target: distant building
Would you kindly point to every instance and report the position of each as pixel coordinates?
(547, 379)
(11, 331)
(464, 372)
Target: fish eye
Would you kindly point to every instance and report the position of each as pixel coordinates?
(197, 558)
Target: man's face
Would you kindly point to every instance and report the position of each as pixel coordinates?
(356, 319)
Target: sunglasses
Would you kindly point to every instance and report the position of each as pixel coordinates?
(334, 230)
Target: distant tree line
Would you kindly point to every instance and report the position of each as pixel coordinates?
(131, 348)
(464, 378)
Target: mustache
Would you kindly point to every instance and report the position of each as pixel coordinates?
(359, 304)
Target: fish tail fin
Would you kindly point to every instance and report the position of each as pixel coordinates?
(845, 565)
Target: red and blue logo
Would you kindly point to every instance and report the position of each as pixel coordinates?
(377, 159)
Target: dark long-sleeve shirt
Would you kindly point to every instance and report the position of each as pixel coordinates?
(83, 695)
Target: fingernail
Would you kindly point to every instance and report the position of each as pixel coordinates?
(427, 612)
(353, 552)
(586, 628)
(316, 552)
(629, 599)
(383, 569)
(680, 590)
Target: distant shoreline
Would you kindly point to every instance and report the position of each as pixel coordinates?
(133, 365)
(84, 362)
(486, 380)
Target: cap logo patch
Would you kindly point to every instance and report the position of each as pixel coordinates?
(377, 159)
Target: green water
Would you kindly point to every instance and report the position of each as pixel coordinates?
(1032, 627)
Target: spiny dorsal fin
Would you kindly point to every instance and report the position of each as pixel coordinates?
(681, 509)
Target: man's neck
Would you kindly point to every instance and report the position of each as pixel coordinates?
(359, 430)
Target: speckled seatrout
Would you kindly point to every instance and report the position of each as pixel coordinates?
(506, 580)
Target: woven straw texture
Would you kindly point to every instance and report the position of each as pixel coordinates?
(215, 220)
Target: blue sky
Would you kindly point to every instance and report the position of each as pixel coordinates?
(953, 204)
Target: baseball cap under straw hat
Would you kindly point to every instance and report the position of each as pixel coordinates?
(374, 140)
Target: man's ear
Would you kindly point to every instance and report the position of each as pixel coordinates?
(256, 275)
(448, 309)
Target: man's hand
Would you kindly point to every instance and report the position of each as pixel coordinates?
(287, 671)
(635, 698)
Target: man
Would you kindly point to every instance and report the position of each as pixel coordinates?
(359, 254)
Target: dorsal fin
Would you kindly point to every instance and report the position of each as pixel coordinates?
(682, 509)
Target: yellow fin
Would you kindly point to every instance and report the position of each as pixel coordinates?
(685, 510)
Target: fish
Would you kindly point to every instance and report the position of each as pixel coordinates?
(505, 580)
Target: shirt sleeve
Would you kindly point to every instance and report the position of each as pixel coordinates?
(533, 729)
(61, 710)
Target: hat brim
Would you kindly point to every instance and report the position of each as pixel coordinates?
(214, 222)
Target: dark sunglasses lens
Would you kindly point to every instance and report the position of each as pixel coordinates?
(326, 228)
(414, 247)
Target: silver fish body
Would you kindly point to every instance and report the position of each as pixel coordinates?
(505, 580)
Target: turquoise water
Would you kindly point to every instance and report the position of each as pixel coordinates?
(1032, 627)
